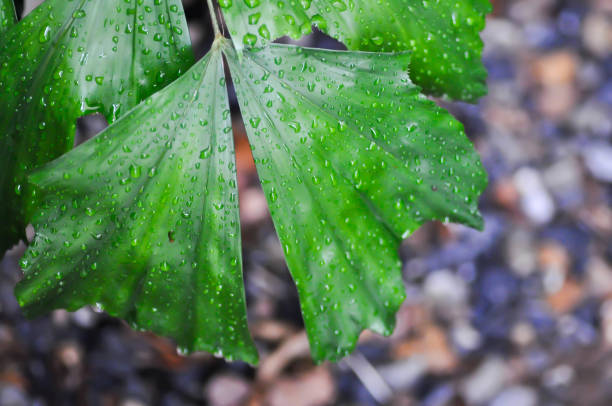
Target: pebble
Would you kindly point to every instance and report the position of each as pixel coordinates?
(597, 34)
(561, 375)
(516, 396)
(465, 337)
(523, 334)
(598, 159)
(564, 180)
(599, 274)
(520, 251)
(482, 385)
(555, 69)
(402, 375)
(536, 202)
(557, 101)
(445, 289)
(492, 311)
(314, 388)
(227, 390)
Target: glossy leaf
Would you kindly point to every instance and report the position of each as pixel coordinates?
(8, 17)
(352, 159)
(72, 57)
(442, 34)
(143, 220)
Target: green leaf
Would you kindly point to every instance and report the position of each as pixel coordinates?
(68, 58)
(143, 219)
(352, 159)
(442, 34)
(8, 17)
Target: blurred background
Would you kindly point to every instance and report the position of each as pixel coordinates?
(517, 315)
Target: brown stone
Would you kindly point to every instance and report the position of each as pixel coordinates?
(554, 69)
(432, 344)
(552, 255)
(566, 298)
(313, 388)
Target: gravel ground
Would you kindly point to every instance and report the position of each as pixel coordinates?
(517, 315)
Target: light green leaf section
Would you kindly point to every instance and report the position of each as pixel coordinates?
(144, 220)
(8, 17)
(72, 57)
(442, 34)
(352, 159)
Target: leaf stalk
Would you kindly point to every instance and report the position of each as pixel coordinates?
(213, 18)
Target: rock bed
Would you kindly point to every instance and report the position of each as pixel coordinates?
(518, 315)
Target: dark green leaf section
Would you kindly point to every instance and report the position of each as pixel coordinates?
(352, 159)
(442, 34)
(143, 220)
(8, 17)
(72, 57)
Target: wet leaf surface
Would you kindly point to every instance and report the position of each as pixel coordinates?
(143, 220)
(442, 34)
(7, 15)
(69, 58)
(352, 159)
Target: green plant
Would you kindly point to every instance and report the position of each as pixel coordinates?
(143, 219)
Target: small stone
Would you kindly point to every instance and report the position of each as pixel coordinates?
(561, 375)
(482, 384)
(555, 69)
(553, 256)
(227, 390)
(530, 10)
(444, 289)
(598, 160)
(520, 251)
(597, 34)
(501, 35)
(253, 206)
(85, 317)
(564, 180)
(536, 202)
(516, 396)
(599, 275)
(313, 388)
(506, 194)
(432, 345)
(465, 337)
(403, 374)
(523, 334)
(557, 101)
(132, 402)
(566, 298)
(69, 364)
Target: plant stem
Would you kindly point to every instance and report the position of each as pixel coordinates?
(213, 18)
